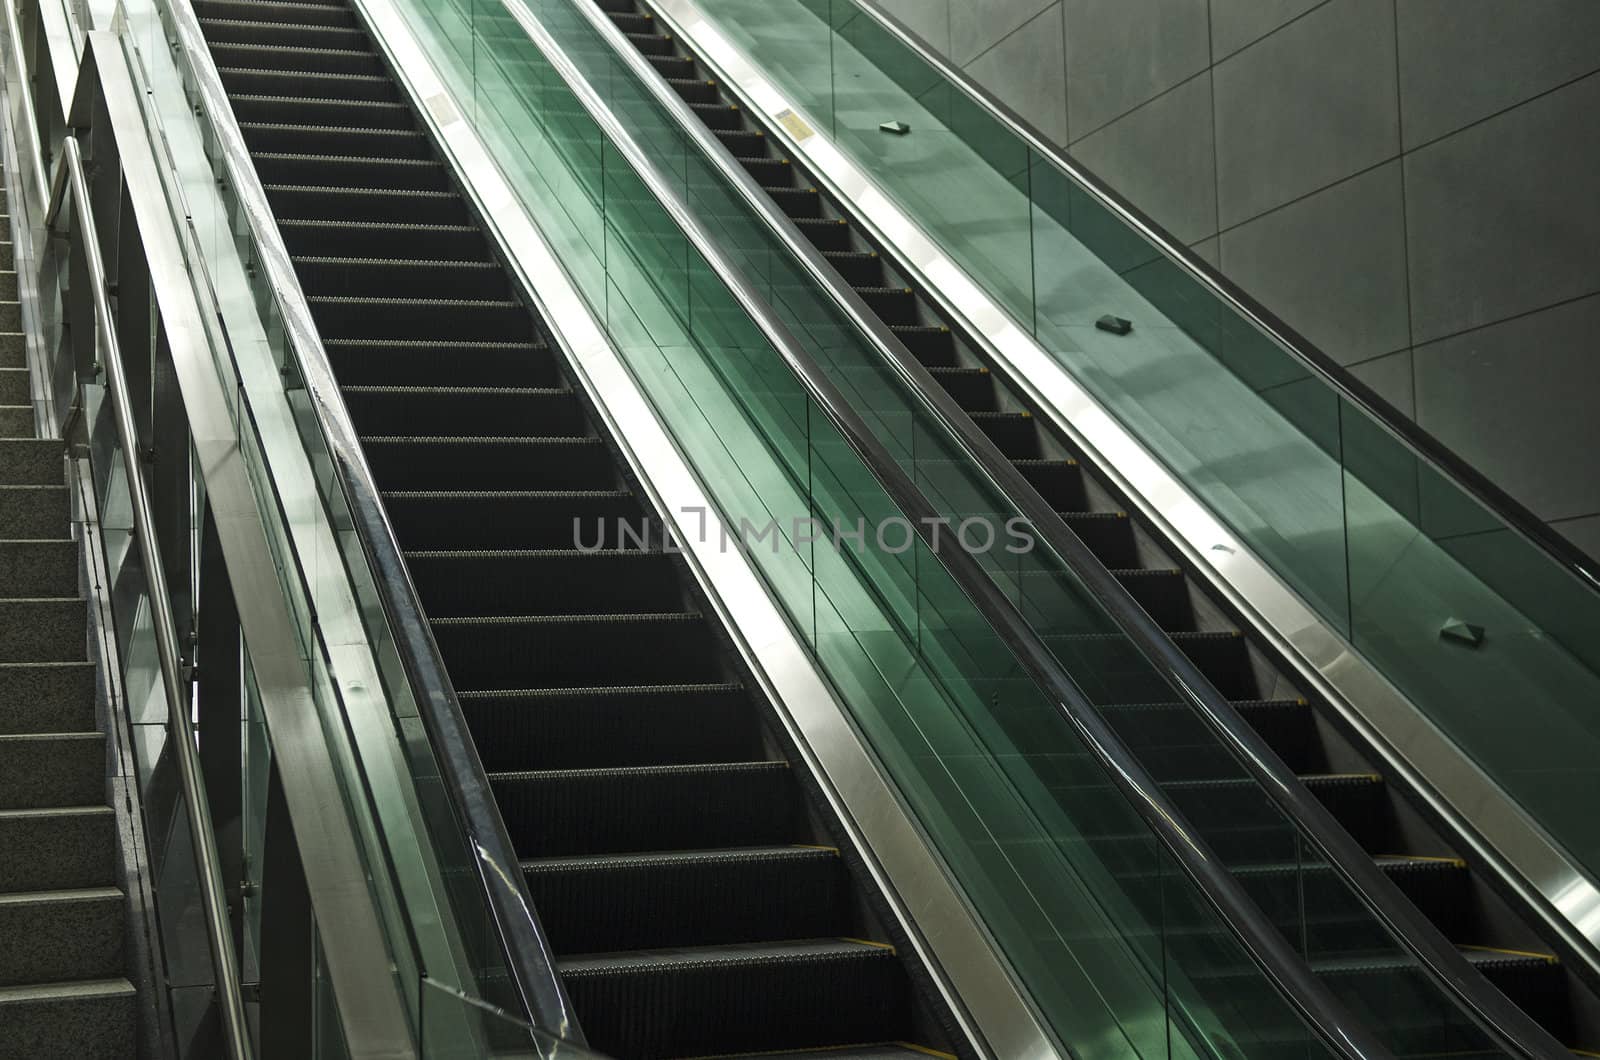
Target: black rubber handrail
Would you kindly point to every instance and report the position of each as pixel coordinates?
(1488, 1007)
(1422, 444)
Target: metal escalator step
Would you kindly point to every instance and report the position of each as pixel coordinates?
(401, 239)
(545, 581)
(1163, 593)
(694, 89)
(1016, 434)
(289, 11)
(690, 898)
(504, 519)
(563, 651)
(607, 726)
(317, 110)
(269, 82)
(718, 115)
(336, 140)
(43, 770)
(825, 233)
(420, 362)
(300, 35)
(447, 319)
(894, 305)
(632, 22)
(60, 935)
(857, 267)
(971, 387)
(1059, 482)
(564, 812)
(796, 202)
(367, 204)
(489, 463)
(670, 65)
(328, 171)
(1112, 671)
(465, 411)
(377, 277)
(84, 1019)
(282, 58)
(653, 44)
(1286, 724)
(1109, 536)
(705, 1001)
(932, 344)
(854, 1051)
(741, 141)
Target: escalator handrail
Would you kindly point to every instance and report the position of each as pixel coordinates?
(70, 186)
(1516, 515)
(1378, 893)
(1264, 943)
(529, 958)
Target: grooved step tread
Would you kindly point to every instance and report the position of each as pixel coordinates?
(728, 856)
(812, 951)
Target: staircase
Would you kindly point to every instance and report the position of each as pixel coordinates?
(63, 991)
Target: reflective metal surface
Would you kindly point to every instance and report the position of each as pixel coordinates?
(1504, 838)
(72, 189)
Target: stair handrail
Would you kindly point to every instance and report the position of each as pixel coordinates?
(529, 958)
(71, 187)
(1442, 961)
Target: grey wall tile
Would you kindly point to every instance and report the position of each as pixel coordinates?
(1026, 72)
(1390, 376)
(1307, 106)
(977, 27)
(1332, 265)
(1235, 23)
(1585, 533)
(1210, 251)
(1121, 53)
(1462, 60)
(928, 19)
(1160, 157)
(1503, 216)
(1517, 400)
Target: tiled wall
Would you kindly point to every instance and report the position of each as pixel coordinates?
(1412, 184)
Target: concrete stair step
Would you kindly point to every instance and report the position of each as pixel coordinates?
(32, 462)
(32, 512)
(38, 568)
(55, 936)
(47, 697)
(39, 771)
(86, 1020)
(51, 629)
(58, 849)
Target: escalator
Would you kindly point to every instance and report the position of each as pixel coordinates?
(1411, 846)
(699, 896)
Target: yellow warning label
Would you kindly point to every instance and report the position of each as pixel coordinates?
(794, 125)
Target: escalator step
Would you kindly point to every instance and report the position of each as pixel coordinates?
(1112, 671)
(270, 82)
(690, 898)
(1164, 594)
(566, 651)
(373, 277)
(718, 1000)
(448, 319)
(414, 362)
(718, 115)
(857, 267)
(314, 110)
(603, 727)
(932, 344)
(490, 463)
(399, 239)
(651, 43)
(972, 388)
(634, 22)
(773, 172)
(305, 34)
(465, 411)
(491, 519)
(1014, 433)
(737, 141)
(1059, 482)
(367, 204)
(894, 305)
(327, 171)
(283, 59)
(351, 141)
(1109, 536)
(668, 65)
(1286, 724)
(825, 233)
(695, 89)
(275, 11)
(553, 581)
(568, 812)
